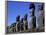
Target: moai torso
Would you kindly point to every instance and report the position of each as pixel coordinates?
(41, 26)
(40, 21)
(33, 22)
(25, 24)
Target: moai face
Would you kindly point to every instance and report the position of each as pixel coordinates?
(41, 11)
(25, 17)
(31, 9)
(41, 6)
(31, 12)
(17, 19)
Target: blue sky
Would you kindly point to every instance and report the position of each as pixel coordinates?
(19, 8)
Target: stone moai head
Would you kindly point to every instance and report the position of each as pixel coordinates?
(32, 9)
(25, 17)
(41, 6)
(18, 18)
(41, 10)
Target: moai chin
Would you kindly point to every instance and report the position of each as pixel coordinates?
(17, 23)
(25, 23)
(32, 18)
(41, 18)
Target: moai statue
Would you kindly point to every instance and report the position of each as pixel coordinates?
(8, 28)
(14, 28)
(25, 23)
(21, 25)
(41, 18)
(11, 28)
(18, 24)
(32, 18)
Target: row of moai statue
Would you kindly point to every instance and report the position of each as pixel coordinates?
(22, 25)
(40, 17)
(19, 25)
